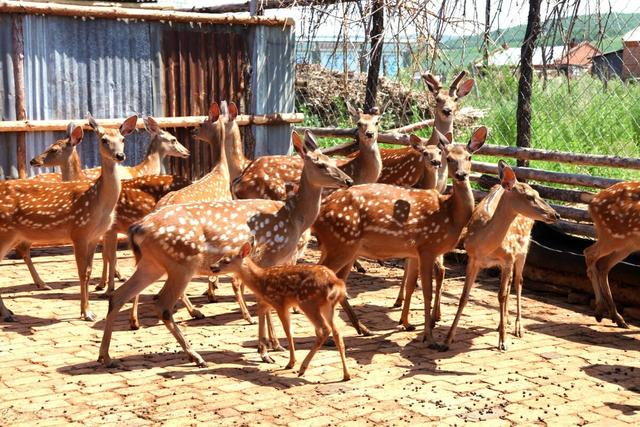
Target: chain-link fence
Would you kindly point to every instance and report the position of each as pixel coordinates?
(586, 65)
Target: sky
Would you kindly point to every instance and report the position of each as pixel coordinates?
(513, 12)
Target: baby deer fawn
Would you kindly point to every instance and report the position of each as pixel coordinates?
(315, 289)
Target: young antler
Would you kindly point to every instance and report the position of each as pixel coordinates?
(186, 239)
(80, 211)
(498, 235)
(313, 288)
(616, 216)
(382, 221)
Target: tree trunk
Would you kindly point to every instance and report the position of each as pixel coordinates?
(377, 40)
(525, 85)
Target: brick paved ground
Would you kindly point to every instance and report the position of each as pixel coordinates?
(566, 370)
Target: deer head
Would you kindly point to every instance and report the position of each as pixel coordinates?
(232, 264)
(459, 156)
(211, 129)
(162, 141)
(322, 170)
(431, 154)
(446, 101)
(366, 124)
(111, 141)
(60, 152)
(522, 198)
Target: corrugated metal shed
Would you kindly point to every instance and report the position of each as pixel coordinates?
(114, 68)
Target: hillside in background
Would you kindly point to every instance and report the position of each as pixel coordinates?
(585, 28)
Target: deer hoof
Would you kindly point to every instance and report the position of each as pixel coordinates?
(408, 327)
(89, 316)
(201, 363)
(266, 358)
(276, 347)
(9, 318)
(134, 325)
(598, 317)
(108, 362)
(621, 323)
(120, 277)
(100, 286)
(502, 346)
(211, 297)
(197, 314)
(43, 286)
(397, 304)
(438, 346)
(346, 378)
(290, 365)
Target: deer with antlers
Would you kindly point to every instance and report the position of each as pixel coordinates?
(498, 234)
(383, 221)
(616, 217)
(79, 211)
(313, 288)
(63, 154)
(267, 176)
(186, 239)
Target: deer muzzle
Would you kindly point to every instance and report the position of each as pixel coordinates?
(120, 157)
(36, 162)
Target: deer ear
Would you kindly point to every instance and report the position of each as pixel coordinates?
(477, 139)
(245, 250)
(151, 125)
(465, 88)
(431, 83)
(310, 141)
(233, 111)
(415, 141)
(92, 122)
(214, 111)
(76, 134)
(298, 145)
(129, 125)
(443, 140)
(507, 175)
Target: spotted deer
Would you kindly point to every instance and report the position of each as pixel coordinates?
(267, 176)
(79, 211)
(313, 288)
(383, 221)
(63, 154)
(498, 234)
(186, 239)
(615, 212)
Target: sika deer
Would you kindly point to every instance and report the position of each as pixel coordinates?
(313, 288)
(267, 176)
(63, 154)
(186, 239)
(616, 216)
(498, 235)
(382, 221)
(80, 211)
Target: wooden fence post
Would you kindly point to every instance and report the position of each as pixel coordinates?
(377, 40)
(18, 75)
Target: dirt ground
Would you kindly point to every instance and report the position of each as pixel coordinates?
(566, 370)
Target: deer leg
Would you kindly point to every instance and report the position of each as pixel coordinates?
(313, 313)
(173, 288)
(604, 267)
(193, 311)
(274, 343)
(6, 243)
(263, 344)
(146, 273)
(285, 318)
(109, 254)
(409, 286)
(438, 271)
(592, 255)
(359, 267)
(426, 274)
(211, 289)
(330, 316)
(503, 294)
(238, 291)
(353, 318)
(472, 272)
(517, 283)
(84, 252)
(410, 273)
(24, 251)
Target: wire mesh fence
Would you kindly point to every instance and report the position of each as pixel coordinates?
(586, 62)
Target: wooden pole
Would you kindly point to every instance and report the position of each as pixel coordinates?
(165, 122)
(553, 193)
(33, 8)
(414, 126)
(266, 4)
(18, 75)
(525, 84)
(377, 40)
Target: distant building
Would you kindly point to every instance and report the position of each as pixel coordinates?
(607, 66)
(631, 54)
(577, 59)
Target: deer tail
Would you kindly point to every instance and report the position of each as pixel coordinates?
(136, 234)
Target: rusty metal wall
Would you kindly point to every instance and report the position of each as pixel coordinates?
(8, 168)
(201, 66)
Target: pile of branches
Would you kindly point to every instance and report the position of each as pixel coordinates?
(322, 92)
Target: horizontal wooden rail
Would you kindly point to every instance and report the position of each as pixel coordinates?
(164, 122)
(33, 8)
(560, 194)
(546, 176)
(560, 157)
